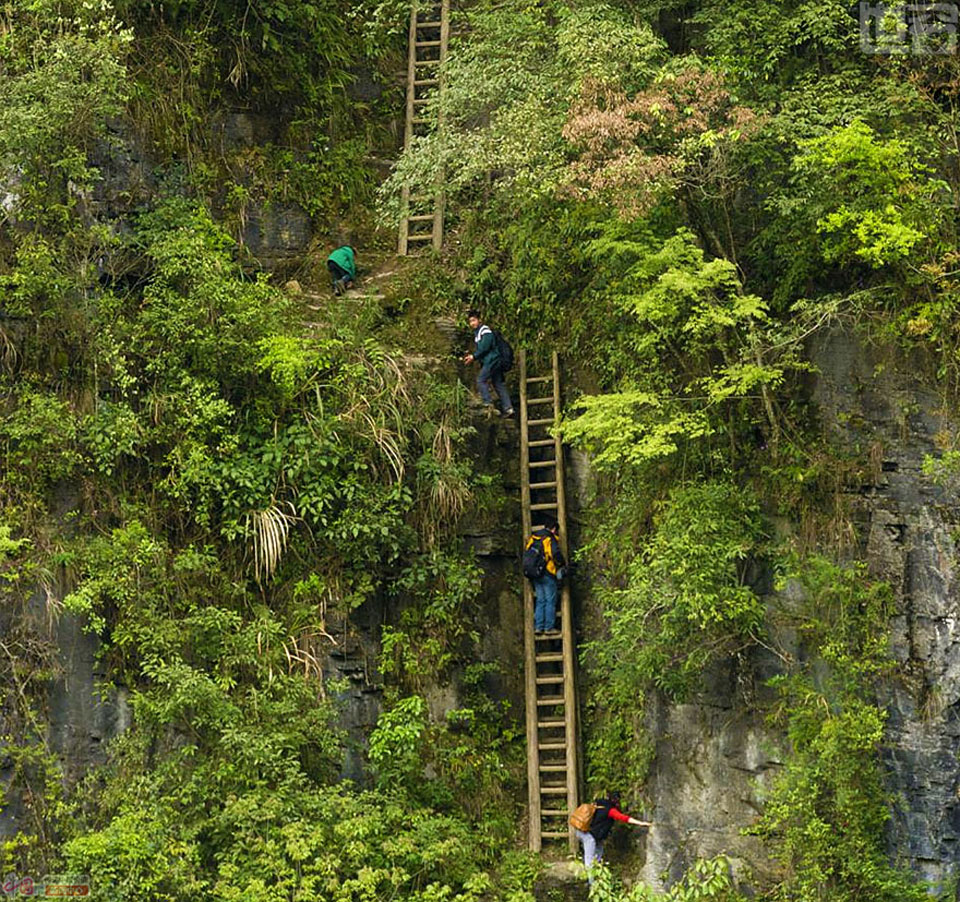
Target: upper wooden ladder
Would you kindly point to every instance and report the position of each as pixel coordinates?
(549, 658)
(421, 214)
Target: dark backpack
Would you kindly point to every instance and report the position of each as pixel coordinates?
(504, 351)
(534, 559)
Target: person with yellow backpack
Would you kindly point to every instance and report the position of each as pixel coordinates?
(544, 566)
(593, 821)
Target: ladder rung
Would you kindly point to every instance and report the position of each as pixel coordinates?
(552, 768)
(420, 101)
(418, 82)
(554, 724)
(550, 656)
(550, 680)
(553, 834)
(550, 634)
(421, 218)
(542, 463)
(553, 812)
(541, 442)
(550, 701)
(547, 399)
(420, 121)
(553, 790)
(539, 378)
(425, 237)
(435, 23)
(551, 746)
(426, 62)
(540, 507)
(541, 422)
(428, 43)
(542, 485)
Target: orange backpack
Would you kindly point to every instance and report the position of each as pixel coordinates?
(583, 816)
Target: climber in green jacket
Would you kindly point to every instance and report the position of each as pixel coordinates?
(487, 354)
(343, 268)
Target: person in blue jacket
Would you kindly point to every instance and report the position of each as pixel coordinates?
(342, 264)
(491, 372)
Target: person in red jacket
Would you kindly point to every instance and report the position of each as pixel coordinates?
(608, 811)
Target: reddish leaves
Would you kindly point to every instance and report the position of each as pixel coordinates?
(633, 149)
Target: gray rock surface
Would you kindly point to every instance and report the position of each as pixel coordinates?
(277, 234)
(561, 881)
(714, 757)
(877, 402)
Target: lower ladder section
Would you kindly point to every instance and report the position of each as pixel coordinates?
(549, 658)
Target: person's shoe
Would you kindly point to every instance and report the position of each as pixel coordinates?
(507, 413)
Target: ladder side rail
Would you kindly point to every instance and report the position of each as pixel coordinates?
(568, 643)
(439, 203)
(402, 243)
(529, 642)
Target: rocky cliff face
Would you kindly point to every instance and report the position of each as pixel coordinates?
(715, 756)
(873, 400)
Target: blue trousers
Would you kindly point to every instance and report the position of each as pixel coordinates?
(488, 375)
(545, 605)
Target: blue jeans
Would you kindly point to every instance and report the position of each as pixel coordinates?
(592, 851)
(545, 606)
(338, 272)
(493, 374)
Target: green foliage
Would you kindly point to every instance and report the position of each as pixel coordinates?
(632, 427)
(332, 843)
(133, 858)
(247, 781)
(39, 437)
(707, 879)
(475, 752)
(518, 74)
(684, 605)
(63, 75)
(244, 484)
(698, 345)
(686, 601)
(283, 47)
(769, 45)
(479, 754)
(871, 199)
(426, 639)
(395, 749)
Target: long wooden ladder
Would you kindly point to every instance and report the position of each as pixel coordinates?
(549, 658)
(421, 214)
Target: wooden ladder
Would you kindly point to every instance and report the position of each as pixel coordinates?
(549, 658)
(421, 215)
